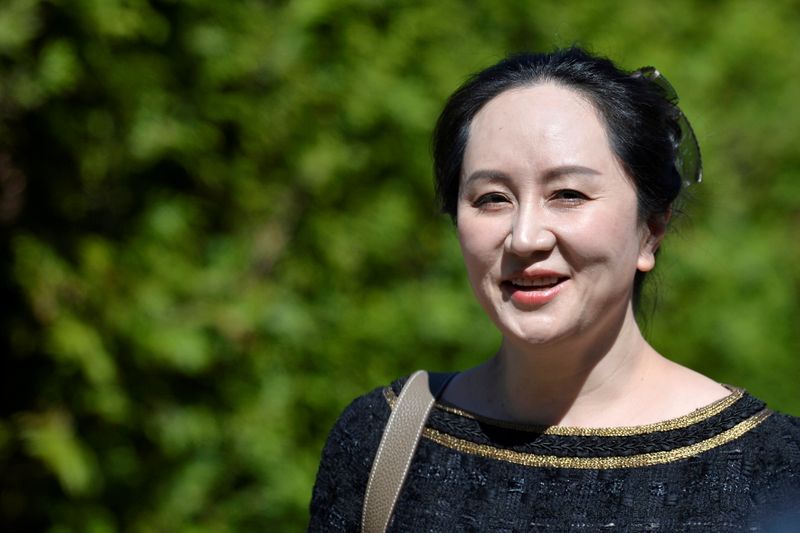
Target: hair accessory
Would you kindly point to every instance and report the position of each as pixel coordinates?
(689, 162)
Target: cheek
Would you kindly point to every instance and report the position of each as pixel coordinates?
(481, 243)
(605, 237)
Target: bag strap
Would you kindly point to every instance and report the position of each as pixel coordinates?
(398, 443)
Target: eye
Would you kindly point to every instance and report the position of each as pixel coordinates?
(570, 196)
(490, 199)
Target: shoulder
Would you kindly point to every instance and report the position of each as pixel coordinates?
(788, 423)
(346, 462)
(772, 461)
(358, 429)
(781, 434)
(782, 431)
(364, 415)
(774, 437)
(363, 420)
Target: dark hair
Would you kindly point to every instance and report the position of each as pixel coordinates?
(643, 125)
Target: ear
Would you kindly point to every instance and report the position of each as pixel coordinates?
(652, 234)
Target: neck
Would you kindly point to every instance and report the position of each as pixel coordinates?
(586, 382)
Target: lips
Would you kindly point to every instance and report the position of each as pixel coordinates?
(533, 289)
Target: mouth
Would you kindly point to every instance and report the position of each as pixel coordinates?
(532, 291)
(534, 284)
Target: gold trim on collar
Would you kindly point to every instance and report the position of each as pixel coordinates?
(598, 463)
(698, 415)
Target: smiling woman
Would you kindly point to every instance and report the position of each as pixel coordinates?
(560, 171)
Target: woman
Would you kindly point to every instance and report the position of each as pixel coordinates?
(560, 172)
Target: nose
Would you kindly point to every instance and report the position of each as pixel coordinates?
(530, 233)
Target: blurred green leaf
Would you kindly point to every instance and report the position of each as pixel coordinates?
(50, 437)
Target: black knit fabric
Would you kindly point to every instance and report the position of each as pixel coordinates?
(750, 483)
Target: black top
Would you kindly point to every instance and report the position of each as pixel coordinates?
(731, 466)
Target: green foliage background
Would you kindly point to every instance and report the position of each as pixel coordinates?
(217, 228)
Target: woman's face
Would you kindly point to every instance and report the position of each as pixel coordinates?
(547, 218)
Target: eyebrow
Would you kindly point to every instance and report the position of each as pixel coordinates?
(549, 175)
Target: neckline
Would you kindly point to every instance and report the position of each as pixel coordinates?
(695, 417)
(698, 415)
(684, 437)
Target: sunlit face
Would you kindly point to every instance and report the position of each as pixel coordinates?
(547, 218)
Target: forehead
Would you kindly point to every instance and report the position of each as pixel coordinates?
(542, 125)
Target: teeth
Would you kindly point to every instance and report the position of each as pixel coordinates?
(535, 282)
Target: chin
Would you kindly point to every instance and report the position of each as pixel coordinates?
(537, 332)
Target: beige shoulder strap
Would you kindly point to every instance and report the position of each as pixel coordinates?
(398, 443)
